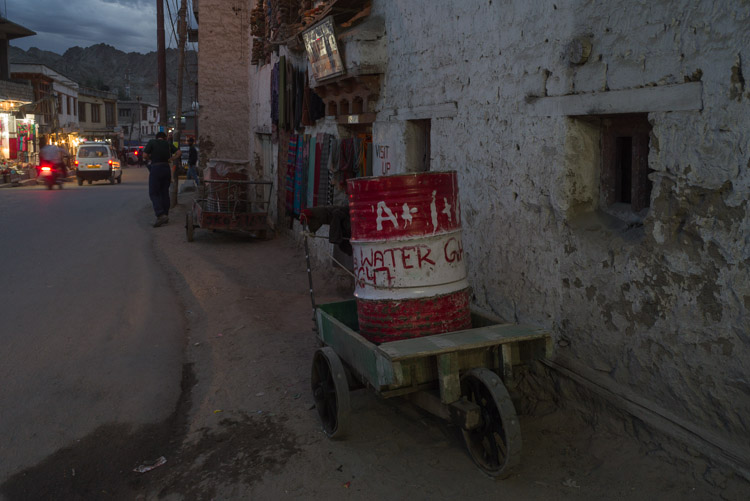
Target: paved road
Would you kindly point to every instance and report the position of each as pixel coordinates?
(89, 328)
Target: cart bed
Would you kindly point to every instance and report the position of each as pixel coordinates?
(398, 367)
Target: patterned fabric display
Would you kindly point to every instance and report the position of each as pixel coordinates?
(298, 175)
(323, 171)
(291, 160)
(311, 177)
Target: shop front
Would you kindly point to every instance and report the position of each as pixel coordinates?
(19, 151)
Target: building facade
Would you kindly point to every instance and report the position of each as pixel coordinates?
(97, 115)
(138, 121)
(56, 104)
(602, 159)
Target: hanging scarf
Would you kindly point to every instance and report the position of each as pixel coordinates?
(291, 161)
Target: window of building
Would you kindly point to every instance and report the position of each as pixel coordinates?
(75, 105)
(70, 106)
(82, 111)
(96, 113)
(109, 112)
(59, 103)
(124, 112)
(144, 113)
(624, 175)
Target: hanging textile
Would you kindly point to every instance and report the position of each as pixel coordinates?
(291, 84)
(282, 93)
(304, 166)
(346, 161)
(312, 178)
(323, 171)
(306, 104)
(291, 161)
(357, 158)
(332, 145)
(275, 94)
(299, 98)
(298, 176)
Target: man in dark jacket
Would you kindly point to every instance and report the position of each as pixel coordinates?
(160, 153)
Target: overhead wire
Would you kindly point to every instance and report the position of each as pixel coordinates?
(174, 36)
(172, 21)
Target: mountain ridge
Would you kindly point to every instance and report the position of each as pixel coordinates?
(104, 67)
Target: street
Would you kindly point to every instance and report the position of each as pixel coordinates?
(191, 361)
(91, 333)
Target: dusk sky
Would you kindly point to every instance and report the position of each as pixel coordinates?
(127, 25)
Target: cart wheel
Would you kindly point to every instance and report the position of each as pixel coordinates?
(189, 228)
(331, 392)
(494, 445)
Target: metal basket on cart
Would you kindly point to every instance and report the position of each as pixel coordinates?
(229, 201)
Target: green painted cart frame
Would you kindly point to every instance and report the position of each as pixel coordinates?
(457, 376)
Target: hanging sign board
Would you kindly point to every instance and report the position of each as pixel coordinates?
(322, 50)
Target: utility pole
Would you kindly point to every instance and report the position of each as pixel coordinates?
(162, 63)
(182, 33)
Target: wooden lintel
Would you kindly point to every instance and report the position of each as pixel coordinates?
(362, 118)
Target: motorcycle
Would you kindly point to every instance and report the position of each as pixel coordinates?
(51, 175)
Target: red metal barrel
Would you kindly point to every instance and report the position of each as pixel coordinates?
(408, 255)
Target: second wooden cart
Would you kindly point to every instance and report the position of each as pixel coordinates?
(231, 205)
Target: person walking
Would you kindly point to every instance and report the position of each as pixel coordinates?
(160, 153)
(192, 172)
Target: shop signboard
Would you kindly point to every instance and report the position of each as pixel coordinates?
(322, 50)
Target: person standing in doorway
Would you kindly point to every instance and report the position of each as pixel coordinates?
(160, 153)
(192, 172)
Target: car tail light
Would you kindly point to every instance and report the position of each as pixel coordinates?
(76, 163)
(110, 162)
(136, 152)
(46, 169)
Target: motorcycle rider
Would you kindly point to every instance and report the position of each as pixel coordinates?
(54, 156)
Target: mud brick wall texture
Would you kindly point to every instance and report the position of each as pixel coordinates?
(660, 305)
(223, 77)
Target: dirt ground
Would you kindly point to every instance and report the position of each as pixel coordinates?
(246, 427)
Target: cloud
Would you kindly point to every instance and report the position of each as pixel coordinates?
(128, 25)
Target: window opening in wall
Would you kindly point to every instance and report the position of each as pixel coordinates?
(418, 147)
(624, 176)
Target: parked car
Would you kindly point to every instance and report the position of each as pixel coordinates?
(97, 161)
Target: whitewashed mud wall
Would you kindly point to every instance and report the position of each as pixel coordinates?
(223, 78)
(661, 308)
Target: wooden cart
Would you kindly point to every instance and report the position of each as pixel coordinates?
(457, 376)
(232, 205)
